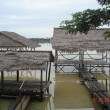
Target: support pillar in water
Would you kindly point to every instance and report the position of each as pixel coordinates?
(81, 59)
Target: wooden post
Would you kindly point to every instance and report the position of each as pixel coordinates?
(109, 64)
(109, 84)
(41, 86)
(109, 69)
(106, 85)
(79, 70)
(2, 79)
(56, 58)
(17, 75)
(46, 72)
(49, 72)
(86, 65)
(41, 80)
(102, 65)
(81, 59)
(90, 68)
(106, 56)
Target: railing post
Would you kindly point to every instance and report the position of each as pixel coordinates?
(56, 58)
(2, 79)
(17, 75)
(106, 85)
(41, 81)
(49, 72)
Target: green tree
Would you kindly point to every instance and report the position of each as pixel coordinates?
(89, 19)
(104, 2)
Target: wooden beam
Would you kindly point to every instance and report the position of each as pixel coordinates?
(17, 75)
(20, 103)
(56, 58)
(49, 72)
(2, 79)
(23, 103)
(41, 81)
(106, 85)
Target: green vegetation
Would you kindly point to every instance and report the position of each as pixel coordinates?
(41, 40)
(104, 2)
(89, 19)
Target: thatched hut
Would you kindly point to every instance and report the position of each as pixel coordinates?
(39, 61)
(94, 40)
(25, 60)
(63, 42)
(19, 60)
(13, 40)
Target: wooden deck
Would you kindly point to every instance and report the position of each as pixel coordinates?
(94, 87)
(28, 88)
(75, 62)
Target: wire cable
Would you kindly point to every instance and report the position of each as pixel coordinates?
(94, 58)
(68, 58)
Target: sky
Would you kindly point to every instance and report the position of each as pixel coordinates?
(38, 18)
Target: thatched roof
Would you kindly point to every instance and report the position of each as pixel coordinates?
(14, 40)
(24, 60)
(94, 40)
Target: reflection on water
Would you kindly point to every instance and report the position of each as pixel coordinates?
(69, 94)
(5, 103)
(65, 92)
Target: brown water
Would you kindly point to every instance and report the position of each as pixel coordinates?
(66, 93)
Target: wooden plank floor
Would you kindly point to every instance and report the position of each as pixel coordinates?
(32, 87)
(77, 62)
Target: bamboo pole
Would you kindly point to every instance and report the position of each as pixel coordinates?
(23, 103)
(56, 58)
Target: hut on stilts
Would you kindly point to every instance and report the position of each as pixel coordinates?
(78, 51)
(76, 45)
(18, 54)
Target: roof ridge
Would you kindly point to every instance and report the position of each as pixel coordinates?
(21, 39)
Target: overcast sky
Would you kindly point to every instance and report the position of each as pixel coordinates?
(37, 18)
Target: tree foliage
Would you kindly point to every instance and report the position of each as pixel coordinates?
(107, 34)
(88, 19)
(104, 2)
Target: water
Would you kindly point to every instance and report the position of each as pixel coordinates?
(65, 92)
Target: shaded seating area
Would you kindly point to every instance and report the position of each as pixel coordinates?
(71, 49)
(78, 51)
(25, 61)
(18, 55)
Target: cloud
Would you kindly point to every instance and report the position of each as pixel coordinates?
(28, 6)
(35, 32)
(26, 16)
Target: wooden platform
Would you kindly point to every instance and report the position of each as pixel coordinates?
(28, 88)
(75, 62)
(94, 87)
